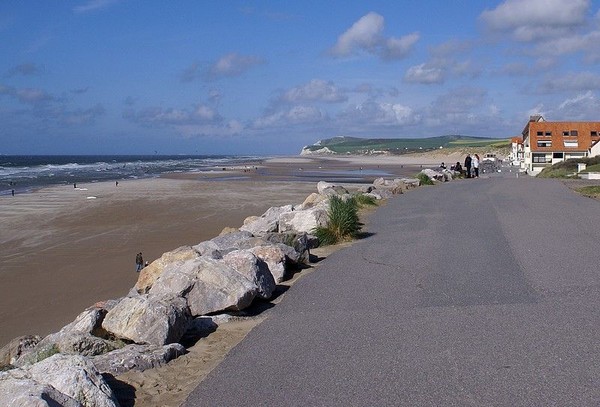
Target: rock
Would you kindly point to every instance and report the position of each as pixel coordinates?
(380, 194)
(24, 392)
(148, 319)
(229, 242)
(328, 189)
(227, 229)
(433, 175)
(218, 287)
(73, 376)
(208, 249)
(411, 182)
(268, 222)
(365, 189)
(17, 347)
(207, 284)
(137, 357)
(254, 269)
(275, 258)
(303, 221)
(313, 200)
(149, 274)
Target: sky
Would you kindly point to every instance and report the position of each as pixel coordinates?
(269, 77)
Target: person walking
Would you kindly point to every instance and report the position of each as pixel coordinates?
(468, 165)
(476, 166)
(139, 262)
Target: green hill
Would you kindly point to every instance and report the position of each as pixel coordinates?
(355, 145)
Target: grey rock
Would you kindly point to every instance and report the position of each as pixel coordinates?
(303, 221)
(148, 319)
(254, 269)
(150, 274)
(268, 222)
(25, 392)
(72, 376)
(218, 287)
(275, 258)
(16, 348)
(137, 357)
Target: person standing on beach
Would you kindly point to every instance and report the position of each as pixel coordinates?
(476, 166)
(139, 262)
(468, 165)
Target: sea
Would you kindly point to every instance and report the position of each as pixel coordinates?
(25, 173)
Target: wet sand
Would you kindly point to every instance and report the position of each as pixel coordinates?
(62, 248)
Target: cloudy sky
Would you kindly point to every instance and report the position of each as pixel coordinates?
(268, 77)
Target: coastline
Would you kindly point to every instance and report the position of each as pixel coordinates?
(62, 248)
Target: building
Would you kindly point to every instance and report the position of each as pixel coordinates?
(546, 143)
(516, 152)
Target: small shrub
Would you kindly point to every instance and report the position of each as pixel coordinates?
(343, 222)
(365, 200)
(424, 179)
(591, 191)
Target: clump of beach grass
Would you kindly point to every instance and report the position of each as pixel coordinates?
(365, 200)
(424, 179)
(343, 223)
(593, 191)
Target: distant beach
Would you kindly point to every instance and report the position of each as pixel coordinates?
(64, 248)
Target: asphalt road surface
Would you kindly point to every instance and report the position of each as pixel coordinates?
(482, 292)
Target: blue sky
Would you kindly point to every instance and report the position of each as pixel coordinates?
(268, 77)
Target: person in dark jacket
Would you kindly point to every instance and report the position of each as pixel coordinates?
(468, 165)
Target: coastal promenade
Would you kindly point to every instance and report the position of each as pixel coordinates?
(472, 293)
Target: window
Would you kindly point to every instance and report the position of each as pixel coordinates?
(594, 134)
(544, 143)
(540, 158)
(565, 133)
(540, 133)
(571, 144)
(548, 134)
(558, 155)
(574, 133)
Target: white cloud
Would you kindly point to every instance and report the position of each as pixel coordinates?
(425, 74)
(372, 113)
(532, 20)
(365, 35)
(152, 116)
(582, 107)
(589, 43)
(580, 81)
(232, 64)
(294, 116)
(316, 90)
(227, 129)
(93, 5)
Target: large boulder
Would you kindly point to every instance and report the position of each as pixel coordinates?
(328, 189)
(218, 287)
(218, 246)
(313, 200)
(150, 273)
(24, 392)
(254, 269)
(73, 378)
(146, 319)
(137, 357)
(304, 220)
(268, 222)
(275, 258)
(17, 347)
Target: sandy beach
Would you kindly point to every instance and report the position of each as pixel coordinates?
(63, 248)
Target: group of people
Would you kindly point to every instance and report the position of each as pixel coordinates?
(471, 169)
(472, 162)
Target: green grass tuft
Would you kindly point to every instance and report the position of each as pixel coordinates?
(424, 179)
(365, 200)
(591, 191)
(343, 222)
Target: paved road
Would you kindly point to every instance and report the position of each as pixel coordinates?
(473, 293)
